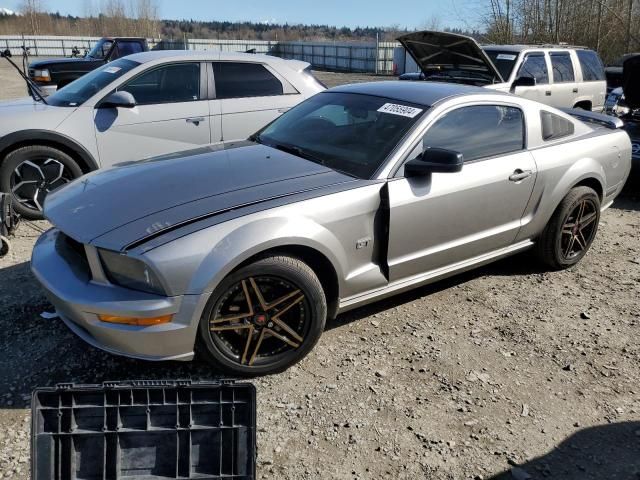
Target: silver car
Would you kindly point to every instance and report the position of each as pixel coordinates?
(242, 251)
(139, 106)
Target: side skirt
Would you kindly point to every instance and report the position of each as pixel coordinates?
(405, 284)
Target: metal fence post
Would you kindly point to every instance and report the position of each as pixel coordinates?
(64, 51)
(377, 51)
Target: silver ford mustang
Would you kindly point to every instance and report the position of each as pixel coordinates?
(241, 251)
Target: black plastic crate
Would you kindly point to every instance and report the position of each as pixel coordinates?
(144, 430)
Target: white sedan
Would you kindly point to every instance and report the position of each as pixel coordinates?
(143, 105)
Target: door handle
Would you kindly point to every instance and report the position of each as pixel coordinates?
(575, 90)
(519, 175)
(195, 120)
(548, 93)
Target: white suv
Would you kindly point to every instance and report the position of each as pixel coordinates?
(560, 76)
(141, 106)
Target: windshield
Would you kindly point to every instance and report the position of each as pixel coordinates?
(504, 62)
(351, 133)
(101, 49)
(80, 90)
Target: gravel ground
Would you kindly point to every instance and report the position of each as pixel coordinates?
(504, 372)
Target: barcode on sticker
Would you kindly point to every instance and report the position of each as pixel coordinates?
(402, 110)
(112, 69)
(505, 56)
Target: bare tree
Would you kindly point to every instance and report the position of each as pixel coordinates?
(32, 10)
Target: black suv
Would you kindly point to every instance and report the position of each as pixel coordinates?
(53, 74)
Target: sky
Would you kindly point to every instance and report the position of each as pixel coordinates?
(352, 13)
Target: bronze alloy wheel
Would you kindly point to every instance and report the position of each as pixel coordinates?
(259, 320)
(264, 317)
(571, 229)
(579, 228)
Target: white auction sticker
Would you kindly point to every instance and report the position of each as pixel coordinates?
(112, 69)
(505, 56)
(402, 110)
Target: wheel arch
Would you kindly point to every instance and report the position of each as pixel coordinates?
(584, 104)
(593, 183)
(26, 138)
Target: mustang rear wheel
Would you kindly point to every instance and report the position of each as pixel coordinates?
(570, 232)
(264, 317)
(30, 173)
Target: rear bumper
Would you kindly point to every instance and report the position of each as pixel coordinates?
(78, 301)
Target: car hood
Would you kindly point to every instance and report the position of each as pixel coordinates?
(54, 63)
(116, 207)
(442, 52)
(631, 81)
(26, 113)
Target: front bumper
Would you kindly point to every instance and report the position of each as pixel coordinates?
(47, 89)
(78, 300)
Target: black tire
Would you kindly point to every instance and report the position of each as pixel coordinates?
(555, 246)
(49, 160)
(296, 279)
(5, 246)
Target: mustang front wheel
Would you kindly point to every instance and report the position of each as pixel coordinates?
(264, 317)
(570, 232)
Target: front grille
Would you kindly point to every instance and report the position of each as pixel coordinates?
(74, 253)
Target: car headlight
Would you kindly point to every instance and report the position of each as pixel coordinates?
(130, 272)
(41, 75)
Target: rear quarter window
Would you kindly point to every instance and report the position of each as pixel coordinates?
(554, 126)
(591, 65)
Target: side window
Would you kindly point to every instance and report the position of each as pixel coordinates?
(236, 80)
(104, 49)
(562, 68)
(535, 66)
(555, 126)
(478, 131)
(124, 48)
(592, 69)
(167, 84)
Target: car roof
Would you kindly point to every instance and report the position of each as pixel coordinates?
(520, 48)
(204, 55)
(424, 93)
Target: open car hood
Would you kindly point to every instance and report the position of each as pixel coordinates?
(631, 81)
(436, 52)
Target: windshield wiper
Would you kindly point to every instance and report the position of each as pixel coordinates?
(31, 86)
(297, 151)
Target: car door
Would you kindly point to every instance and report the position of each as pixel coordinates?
(171, 114)
(447, 218)
(534, 65)
(565, 88)
(593, 88)
(249, 95)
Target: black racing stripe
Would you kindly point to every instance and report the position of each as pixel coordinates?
(214, 218)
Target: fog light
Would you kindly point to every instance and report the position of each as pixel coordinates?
(137, 321)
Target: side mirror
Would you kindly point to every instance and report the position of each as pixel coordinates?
(523, 82)
(120, 99)
(434, 160)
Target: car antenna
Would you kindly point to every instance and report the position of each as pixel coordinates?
(33, 88)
